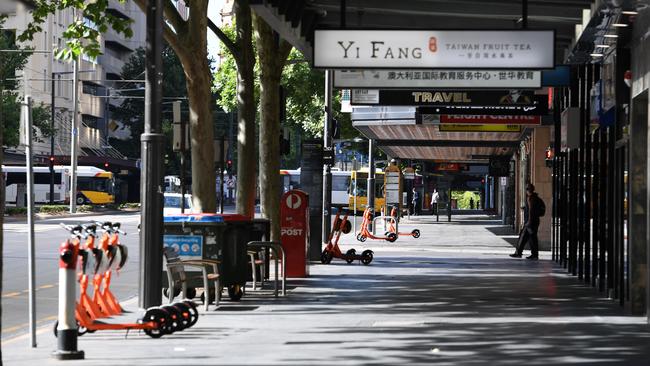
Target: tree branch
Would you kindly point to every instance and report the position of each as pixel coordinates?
(230, 45)
(172, 15)
(174, 41)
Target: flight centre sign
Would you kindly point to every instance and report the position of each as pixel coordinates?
(421, 49)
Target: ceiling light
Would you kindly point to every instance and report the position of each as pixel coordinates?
(619, 25)
(596, 55)
(610, 36)
(603, 45)
(629, 12)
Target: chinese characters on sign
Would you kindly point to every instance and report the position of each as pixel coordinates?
(409, 79)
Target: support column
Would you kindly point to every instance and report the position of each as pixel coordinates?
(371, 180)
(151, 178)
(327, 144)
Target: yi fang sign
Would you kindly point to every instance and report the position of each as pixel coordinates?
(453, 79)
(426, 49)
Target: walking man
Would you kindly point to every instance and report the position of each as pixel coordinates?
(435, 197)
(533, 210)
(415, 201)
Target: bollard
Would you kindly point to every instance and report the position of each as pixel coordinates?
(67, 328)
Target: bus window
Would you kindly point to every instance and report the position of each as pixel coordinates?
(340, 183)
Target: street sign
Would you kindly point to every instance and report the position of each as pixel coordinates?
(540, 108)
(479, 128)
(416, 49)
(434, 97)
(486, 119)
(439, 79)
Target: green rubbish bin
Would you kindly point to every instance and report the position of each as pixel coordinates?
(215, 236)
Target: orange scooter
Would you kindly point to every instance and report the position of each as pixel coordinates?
(156, 321)
(332, 250)
(365, 233)
(392, 227)
(115, 256)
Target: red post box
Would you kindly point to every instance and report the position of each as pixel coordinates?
(294, 231)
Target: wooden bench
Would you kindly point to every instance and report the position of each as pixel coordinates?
(176, 275)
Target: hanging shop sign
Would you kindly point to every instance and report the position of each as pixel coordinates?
(538, 108)
(487, 119)
(433, 97)
(416, 49)
(479, 128)
(453, 79)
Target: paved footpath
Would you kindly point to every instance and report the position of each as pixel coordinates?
(452, 297)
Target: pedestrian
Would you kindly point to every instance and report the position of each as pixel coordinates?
(435, 197)
(471, 203)
(415, 199)
(533, 210)
(230, 183)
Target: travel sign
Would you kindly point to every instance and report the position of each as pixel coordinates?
(438, 49)
(453, 79)
(431, 97)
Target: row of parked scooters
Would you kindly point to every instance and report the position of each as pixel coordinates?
(98, 258)
(342, 225)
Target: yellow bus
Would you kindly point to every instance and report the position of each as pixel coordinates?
(94, 186)
(361, 190)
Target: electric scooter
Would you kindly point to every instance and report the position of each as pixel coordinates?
(332, 250)
(366, 234)
(392, 226)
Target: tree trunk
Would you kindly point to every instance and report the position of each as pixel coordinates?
(246, 165)
(2, 193)
(272, 57)
(190, 45)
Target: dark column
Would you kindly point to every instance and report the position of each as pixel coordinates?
(151, 172)
(327, 144)
(638, 201)
(52, 111)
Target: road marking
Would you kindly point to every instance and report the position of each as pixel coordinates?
(41, 330)
(17, 293)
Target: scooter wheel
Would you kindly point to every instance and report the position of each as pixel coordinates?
(391, 237)
(158, 316)
(359, 237)
(191, 292)
(415, 233)
(326, 257)
(349, 255)
(194, 312)
(346, 227)
(166, 290)
(362, 238)
(175, 317)
(366, 257)
(235, 292)
(186, 316)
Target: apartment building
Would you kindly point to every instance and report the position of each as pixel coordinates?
(96, 78)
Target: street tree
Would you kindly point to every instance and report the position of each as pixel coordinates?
(188, 38)
(273, 52)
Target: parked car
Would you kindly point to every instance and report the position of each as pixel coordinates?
(172, 204)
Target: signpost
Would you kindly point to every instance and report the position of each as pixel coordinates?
(433, 97)
(417, 49)
(479, 128)
(439, 79)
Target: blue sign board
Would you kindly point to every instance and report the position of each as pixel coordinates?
(559, 76)
(187, 246)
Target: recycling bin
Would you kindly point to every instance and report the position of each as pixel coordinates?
(219, 237)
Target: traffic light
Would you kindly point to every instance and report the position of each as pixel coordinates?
(229, 165)
(105, 165)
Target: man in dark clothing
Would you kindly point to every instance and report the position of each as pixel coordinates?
(415, 201)
(532, 212)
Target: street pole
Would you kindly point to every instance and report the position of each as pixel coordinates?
(74, 138)
(53, 96)
(327, 144)
(27, 134)
(371, 181)
(223, 167)
(182, 175)
(151, 240)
